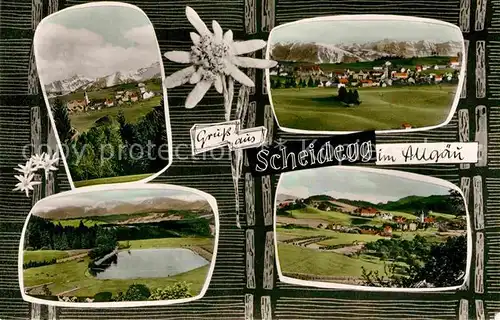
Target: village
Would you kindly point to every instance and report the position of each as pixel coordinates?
(387, 222)
(119, 98)
(286, 75)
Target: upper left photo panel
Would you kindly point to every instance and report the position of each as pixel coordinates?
(101, 73)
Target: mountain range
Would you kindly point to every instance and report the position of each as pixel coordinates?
(114, 207)
(80, 82)
(315, 52)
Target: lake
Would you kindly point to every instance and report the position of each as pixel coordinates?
(152, 263)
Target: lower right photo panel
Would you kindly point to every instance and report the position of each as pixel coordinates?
(371, 229)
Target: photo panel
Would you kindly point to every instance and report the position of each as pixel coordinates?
(371, 229)
(119, 245)
(386, 73)
(101, 74)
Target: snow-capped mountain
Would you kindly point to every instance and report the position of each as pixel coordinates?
(327, 53)
(68, 85)
(84, 83)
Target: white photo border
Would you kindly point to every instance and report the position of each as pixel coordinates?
(162, 73)
(121, 186)
(394, 173)
(371, 17)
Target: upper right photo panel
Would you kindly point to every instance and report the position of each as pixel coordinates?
(365, 72)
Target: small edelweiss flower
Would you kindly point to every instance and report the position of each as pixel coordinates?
(26, 183)
(27, 168)
(215, 60)
(38, 160)
(48, 163)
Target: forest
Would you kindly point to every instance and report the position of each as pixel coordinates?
(417, 262)
(43, 234)
(113, 146)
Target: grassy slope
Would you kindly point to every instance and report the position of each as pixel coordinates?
(84, 120)
(44, 255)
(343, 218)
(134, 177)
(72, 274)
(296, 259)
(69, 275)
(381, 108)
(338, 237)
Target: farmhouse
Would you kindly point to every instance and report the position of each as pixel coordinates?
(388, 230)
(454, 63)
(109, 103)
(367, 212)
(134, 97)
(405, 125)
(76, 105)
(400, 75)
(386, 216)
(147, 95)
(413, 226)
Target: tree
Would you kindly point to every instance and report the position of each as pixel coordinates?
(349, 97)
(177, 291)
(419, 263)
(342, 93)
(456, 202)
(136, 292)
(277, 84)
(62, 121)
(356, 96)
(310, 82)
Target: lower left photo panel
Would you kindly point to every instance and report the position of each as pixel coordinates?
(119, 245)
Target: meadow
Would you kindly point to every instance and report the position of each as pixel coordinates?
(72, 275)
(381, 108)
(83, 121)
(310, 249)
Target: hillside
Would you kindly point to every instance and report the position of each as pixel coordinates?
(116, 207)
(409, 204)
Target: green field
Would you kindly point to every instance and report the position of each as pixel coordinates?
(294, 259)
(44, 255)
(83, 121)
(337, 237)
(344, 218)
(86, 183)
(380, 108)
(73, 274)
(168, 243)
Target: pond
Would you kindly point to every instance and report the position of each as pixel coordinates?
(152, 263)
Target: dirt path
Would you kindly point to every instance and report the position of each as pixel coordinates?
(67, 291)
(75, 257)
(349, 250)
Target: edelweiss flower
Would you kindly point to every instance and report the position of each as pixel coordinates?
(215, 60)
(27, 168)
(38, 160)
(48, 162)
(26, 183)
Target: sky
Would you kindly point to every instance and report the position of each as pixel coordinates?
(99, 197)
(354, 185)
(94, 42)
(363, 31)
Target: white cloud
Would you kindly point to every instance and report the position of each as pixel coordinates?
(64, 52)
(298, 191)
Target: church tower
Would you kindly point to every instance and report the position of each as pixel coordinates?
(87, 101)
